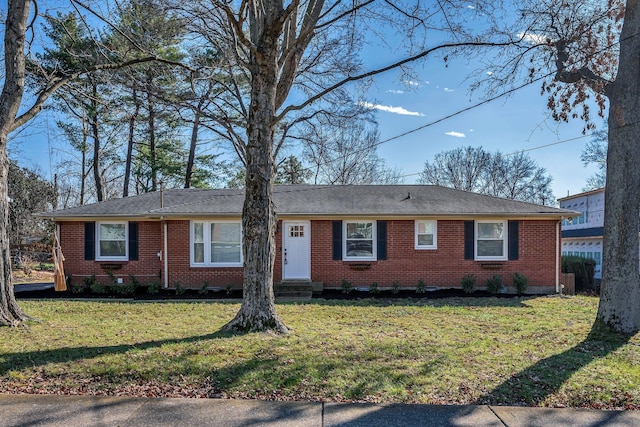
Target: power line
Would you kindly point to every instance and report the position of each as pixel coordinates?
(486, 101)
(523, 151)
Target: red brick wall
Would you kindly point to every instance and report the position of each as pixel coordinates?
(147, 269)
(442, 267)
(195, 277)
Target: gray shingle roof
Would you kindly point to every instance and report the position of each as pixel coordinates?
(315, 200)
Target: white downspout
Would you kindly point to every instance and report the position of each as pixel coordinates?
(166, 257)
(558, 257)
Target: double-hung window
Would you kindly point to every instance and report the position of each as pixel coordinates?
(216, 244)
(491, 240)
(426, 234)
(111, 241)
(359, 240)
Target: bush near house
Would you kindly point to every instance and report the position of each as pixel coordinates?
(584, 270)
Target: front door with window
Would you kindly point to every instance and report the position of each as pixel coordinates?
(296, 250)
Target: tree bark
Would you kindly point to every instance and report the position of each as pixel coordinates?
(95, 131)
(12, 91)
(258, 312)
(619, 307)
(151, 120)
(128, 160)
(192, 151)
(84, 171)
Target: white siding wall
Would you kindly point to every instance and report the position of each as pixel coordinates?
(591, 207)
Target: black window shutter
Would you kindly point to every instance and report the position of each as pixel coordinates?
(337, 240)
(469, 234)
(513, 240)
(89, 241)
(133, 241)
(382, 239)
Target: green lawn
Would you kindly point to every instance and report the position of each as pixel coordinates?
(534, 351)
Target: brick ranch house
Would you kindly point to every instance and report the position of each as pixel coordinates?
(325, 234)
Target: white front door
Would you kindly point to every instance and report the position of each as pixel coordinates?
(296, 250)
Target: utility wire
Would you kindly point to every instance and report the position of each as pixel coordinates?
(481, 103)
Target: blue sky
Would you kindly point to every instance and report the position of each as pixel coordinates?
(509, 124)
(518, 122)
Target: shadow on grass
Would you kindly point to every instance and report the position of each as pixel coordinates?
(421, 300)
(30, 359)
(536, 383)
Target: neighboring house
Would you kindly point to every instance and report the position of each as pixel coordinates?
(363, 234)
(582, 234)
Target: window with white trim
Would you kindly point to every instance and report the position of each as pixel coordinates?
(111, 241)
(359, 240)
(426, 234)
(216, 244)
(491, 240)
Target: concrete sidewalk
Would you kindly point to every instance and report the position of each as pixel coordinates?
(76, 411)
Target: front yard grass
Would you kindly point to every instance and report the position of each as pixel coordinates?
(515, 351)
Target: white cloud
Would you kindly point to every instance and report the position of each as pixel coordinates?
(446, 89)
(489, 73)
(394, 91)
(456, 134)
(390, 109)
(413, 83)
(470, 6)
(534, 39)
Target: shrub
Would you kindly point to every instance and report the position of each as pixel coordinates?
(396, 287)
(133, 280)
(179, 288)
(583, 268)
(124, 289)
(26, 264)
(520, 282)
(76, 289)
(98, 288)
(94, 286)
(374, 288)
(204, 289)
(346, 286)
(112, 278)
(422, 287)
(229, 288)
(468, 283)
(154, 287)
(494, 284)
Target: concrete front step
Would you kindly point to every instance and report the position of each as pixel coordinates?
(295, 290)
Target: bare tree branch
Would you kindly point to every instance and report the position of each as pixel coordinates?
(395, 65)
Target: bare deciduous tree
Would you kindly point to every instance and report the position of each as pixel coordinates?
(590, 50)
(462, 169)
(343, 151)
(293, 55)
(596, 153)
(14, 114)
(515, 177)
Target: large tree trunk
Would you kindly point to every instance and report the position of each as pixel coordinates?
(84, 171)
(258, 312)
(192, 151)
(151, 122)
(619, 307)
(95, 130)
(132, 127)
(12, 91)
(10, 313)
